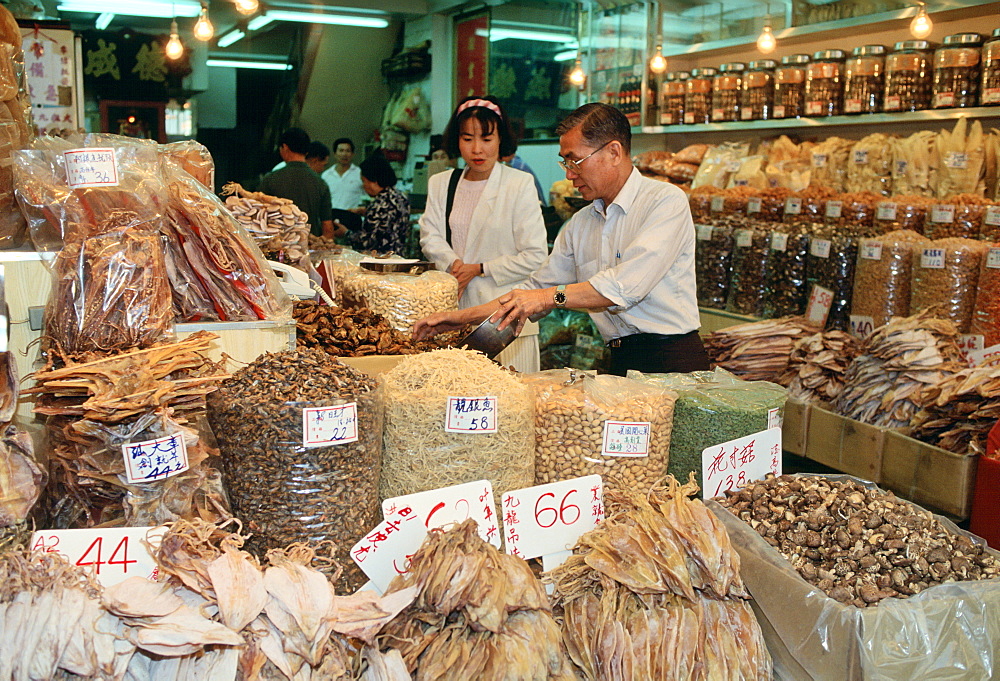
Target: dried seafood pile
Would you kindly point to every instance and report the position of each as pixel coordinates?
(858, 545)
(817, 365)
(353, 332)
(654, 592)
(757, 351)
(324, 243)
(15, 125)
(883, 384)
(195, 158)
(276, 224)
(478, 614)
(21, 484)
(959, 411)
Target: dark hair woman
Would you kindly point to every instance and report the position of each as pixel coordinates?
(387, 220)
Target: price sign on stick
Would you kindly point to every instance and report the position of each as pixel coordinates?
(452, 505)
(155, 459)
(471, 415)
(733, 464)
(385, 552)
(93, 167)
(547, 519)
(112, 554)
(862, 326)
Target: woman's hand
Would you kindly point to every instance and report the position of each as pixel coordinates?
(464, 273)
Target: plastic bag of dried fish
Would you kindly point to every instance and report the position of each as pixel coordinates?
(713, 264)
(830, 263)
(276, 224)
(914, 165)
(945, 275)
(751, 248)
(195, 158)
(21, 485)
(961, 159)
(986, 312)
(902, 212)
(882, 276)
(829, 163)
(717, 164)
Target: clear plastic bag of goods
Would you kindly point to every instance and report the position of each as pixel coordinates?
(947, 631)
(700, 201)
(750, 173)
(713, 407)
(914, 164)
(830, 263)
(902, 212)
(419, 453)
(883, 275)
(772, 204)
(293, 472)
(986, 313)
(195, 158)
(713, 257)
(961, 159)
(403, 299)
(751, 249)
(13, 227)
(807, 208)
(785, 291)
(944, 277)
(958, 216)
(829, 163)
(869, 166)
(855, 213)
(110, 290)
(718, 163)
(577, 420)
(337, 268)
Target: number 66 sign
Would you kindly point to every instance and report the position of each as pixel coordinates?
(113, 554)
(547, 519)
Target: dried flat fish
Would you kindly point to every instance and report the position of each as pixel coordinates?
(276, 224)
(958, 412)
(817, 365)
(21, 479)
(757, 351)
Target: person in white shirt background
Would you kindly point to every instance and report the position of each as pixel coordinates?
(628, 258)
(494, 236)
(346, 190)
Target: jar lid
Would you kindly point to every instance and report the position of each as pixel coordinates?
(963, 39)
(702, 73)
(733, 66)
(996, 32)
(678, 75)
(796, 59)
(763, 65)
(919, 45)
(829, 55)
(868, 50)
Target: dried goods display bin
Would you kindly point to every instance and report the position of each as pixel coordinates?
(844, 444)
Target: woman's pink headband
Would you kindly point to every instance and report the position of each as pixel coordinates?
(485, 103)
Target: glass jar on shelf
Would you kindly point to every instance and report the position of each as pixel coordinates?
(909, 76)
(726, 87)
(757, 95)
(864, 76)
(989, 93)
(790, 86)
(956, 71)
(698, 96)
(825, 83)
(672, 109)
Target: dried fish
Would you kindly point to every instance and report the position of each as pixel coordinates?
(757, 351)
(21, 479)
(958, 411)
(817, 364)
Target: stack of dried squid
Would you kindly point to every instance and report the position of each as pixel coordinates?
(817, 365)
(757, 351)
(277, 225)
(897, 362)
(478, 614)
(958, 411)
(654, 592)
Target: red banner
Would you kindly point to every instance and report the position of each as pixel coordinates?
(472, 53)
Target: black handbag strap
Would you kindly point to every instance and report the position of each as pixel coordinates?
(456, 175)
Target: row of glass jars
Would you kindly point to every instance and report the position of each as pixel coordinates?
(962, 72)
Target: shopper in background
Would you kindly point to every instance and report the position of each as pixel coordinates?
(483, 224)
(300, 183)
(516, 162)
(387, 220)
(317, 157)
(628, 258)
(344, 180)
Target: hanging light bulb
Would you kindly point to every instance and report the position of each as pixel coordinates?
(657, 64)
(174, 49)
(577, 76)
(246, 6)
(766, 42)
(921, 26)
(203, 28)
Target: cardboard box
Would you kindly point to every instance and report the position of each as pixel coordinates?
(844, 444)
(373, 365)
(794, 425)
(929, 475)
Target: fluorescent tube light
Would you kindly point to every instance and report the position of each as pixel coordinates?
(259, 21)
(135, 8)
(230, 38)
(318, 18)
(239, 64)
(103, 20)
(565, 56)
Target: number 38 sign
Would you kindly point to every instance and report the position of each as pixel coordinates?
(112, 554)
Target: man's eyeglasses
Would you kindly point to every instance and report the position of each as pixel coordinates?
(574, 166)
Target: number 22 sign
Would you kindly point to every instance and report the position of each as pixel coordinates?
(113, 554)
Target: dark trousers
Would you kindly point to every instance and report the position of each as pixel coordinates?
(655, 353)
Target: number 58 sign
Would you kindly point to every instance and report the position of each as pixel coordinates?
(547, 519)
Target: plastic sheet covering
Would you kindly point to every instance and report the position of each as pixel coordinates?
(712, 407)
(15, 127)
(751, 249)
(571, 409)
(857, 213)
(195, 158)
(959, 216)
(338, 267)
(713, 257)
(830, 263)
(401, 298)
(944, 277)
(785, 291)
(883, 274)
(986, 313)
(949, 632)
(716, 166)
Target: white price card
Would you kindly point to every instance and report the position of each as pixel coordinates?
(754, 204)
(779, 112)
(886, 210)
(451, 505)
(326, 426)
(626, 438)
(718, 203)
(901, 167)
(820, 248)
(814, 108)
(703, 232)
(993, 259)
(956, 159)
(943, 213)
(860, 157)
(834, 209)
(852, 106)
(744, 237)
(793, 205)
(932, 259)
(774, 418)
(972, 346)
(871, 251)
(819, 160)
(862, 326)
(989, 354)
(893, 103)
(113, 554)
(546, 519)
(820, 302)
(992, 216)
(475, 415)
(385, 552)
(733, 464)
(779, 241)
(93, 167)
(944, 100)
(155, 459)
(746, 114)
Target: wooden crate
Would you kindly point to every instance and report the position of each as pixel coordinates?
(928, 475)
(794, 426)
(243, 341)
(844, 444)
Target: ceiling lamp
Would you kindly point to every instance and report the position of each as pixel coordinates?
(249, 64)
(246, 6)
(137, 8)
(657, 64)
(921, 26)
(315, 18)
(230, 38)
(104, 20)
(174, 49)
(766, 42)
(577, 76)
(203, 28)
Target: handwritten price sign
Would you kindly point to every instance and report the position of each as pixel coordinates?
(113, 554)
(471, 415)
(548, 519)
(733, 464)
(91, 168)
(386, 551)
(625, 438)
(820, 302)
(862, 326)
(155, 459)
(326, 426)
(450, 505)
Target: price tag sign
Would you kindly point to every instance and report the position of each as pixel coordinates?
(814, 108)
(819, 160)
(546, 519)
(779, 110)
(155, 459)
(992, 216)
(834, 209)
(852, 106)
(860, 157)
(793, 205)
(956, 159)
(993, 259)
(741, 183)
(779, 241)
(820, 302)
(471, 415)
(871, 251)
(862, 326)
(932, 259)
(744, 237)
(733, 167)
(703, 232)
(688, 118)
(901, 167)
(991, 95)
(626, 438)
(385, 552)
(718, 203)
(754, 204)
(944, 100)
(326, 426)
(893, 103)
(972, 346)
(943, 213)
(93, 167)
(774, 418)
(985, 355)
(733, 464)
(820, 248)
(113, 554)
(885, 211)
(746, 114)
(451, 505)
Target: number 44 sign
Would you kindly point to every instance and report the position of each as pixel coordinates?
(114, 554)
(548, 519)
(733, 464)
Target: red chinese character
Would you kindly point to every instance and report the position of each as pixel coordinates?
(492, 532)
(511, 502)
(391, 526)
(406, 563)
(484, 496)
(719, 463)
(746, 455)
(377, 537)
(598, 510)
(515, 552)
(512, 535)
(488, 512)
(510, 518)
(360, 552)
(595, 490)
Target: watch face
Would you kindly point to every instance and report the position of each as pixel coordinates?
(560, 298)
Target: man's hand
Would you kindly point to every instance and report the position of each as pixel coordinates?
(338, 229)
(517, 306)
(439, 322)
(464, 273)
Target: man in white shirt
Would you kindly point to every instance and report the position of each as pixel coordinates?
(628, 259)
(346, 190)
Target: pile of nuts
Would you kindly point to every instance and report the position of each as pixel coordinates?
(858, 545)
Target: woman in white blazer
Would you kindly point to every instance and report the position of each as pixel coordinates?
(493, 239)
